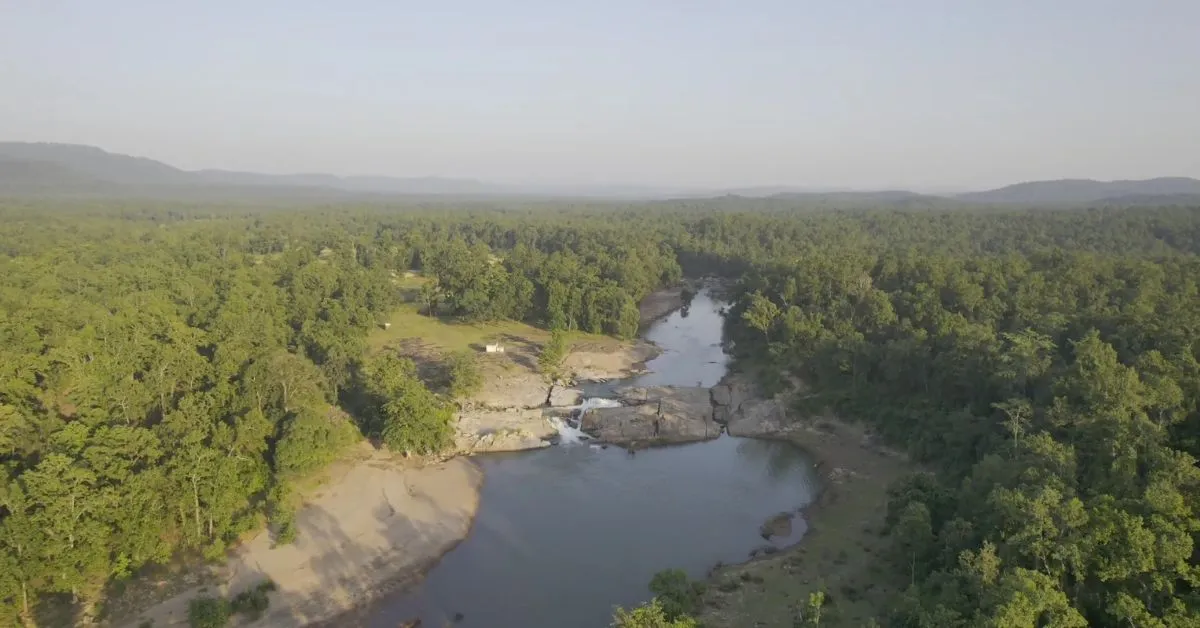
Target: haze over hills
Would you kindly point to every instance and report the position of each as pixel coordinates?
(1069, 191)
(48, 168)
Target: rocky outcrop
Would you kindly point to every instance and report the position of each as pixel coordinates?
(512, 389)
(758, 417)
(654, 416)
(738, 407)
(722, 395)
(480, 431)
(561, 396)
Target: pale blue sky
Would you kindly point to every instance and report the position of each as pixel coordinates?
(917, 93)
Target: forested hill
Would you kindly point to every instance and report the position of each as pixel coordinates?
(1081, 191)
(167, 373)
(57, 170)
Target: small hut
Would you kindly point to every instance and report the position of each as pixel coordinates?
(494, 348)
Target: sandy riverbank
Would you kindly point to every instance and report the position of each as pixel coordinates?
(374, 526)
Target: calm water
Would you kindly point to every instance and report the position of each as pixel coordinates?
(564, 534)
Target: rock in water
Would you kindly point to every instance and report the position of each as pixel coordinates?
(777, 525)
(658, 415)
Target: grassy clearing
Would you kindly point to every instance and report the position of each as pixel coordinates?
(842, 552)
(407, 325)
(430, 338)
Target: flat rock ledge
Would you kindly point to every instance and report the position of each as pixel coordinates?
(655, 415)
(515, 429)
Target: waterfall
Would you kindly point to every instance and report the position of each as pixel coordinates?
(568, 429)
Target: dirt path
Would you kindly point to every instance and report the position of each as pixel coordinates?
(377, 523)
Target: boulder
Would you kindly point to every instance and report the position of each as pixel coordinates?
(659, 415)
(722, 395)
(561, 396)
(758, 417)
(734, 390)
(677, 395)
(777, 525)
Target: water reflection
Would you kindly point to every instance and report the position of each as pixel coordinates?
(563, 534)
(779, 464)
(691, 346)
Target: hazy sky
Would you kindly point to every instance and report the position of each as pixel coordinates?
(917, 93)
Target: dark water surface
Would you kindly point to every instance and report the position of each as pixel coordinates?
(564, 534)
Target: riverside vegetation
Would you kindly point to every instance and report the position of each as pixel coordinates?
(168, 374)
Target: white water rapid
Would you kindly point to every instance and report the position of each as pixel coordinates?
(568, 429)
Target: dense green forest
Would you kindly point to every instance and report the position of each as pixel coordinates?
(166, 373)
(1053, 393)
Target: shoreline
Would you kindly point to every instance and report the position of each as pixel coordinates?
(357, 545)
(839, 549)
(374, 525)
(660, 304)
(373, 530)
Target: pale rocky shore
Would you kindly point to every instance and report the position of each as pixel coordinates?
(378, 522)
(517, 410)
(663, 415)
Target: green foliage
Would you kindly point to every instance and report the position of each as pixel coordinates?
(760, 314)
(554, 352)
(1054, 391)
(463, 374)
(312, 440)
(163, 368)
(281, 512)
(677, 595)
(816, 602)
(208, 612)
(253, 602)
(650, 615)
(409, 417)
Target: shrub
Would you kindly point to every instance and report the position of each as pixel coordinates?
(281, 509)
(463, 376)
(650, 615)
(677, 595)
(252, 603)
(208, 612)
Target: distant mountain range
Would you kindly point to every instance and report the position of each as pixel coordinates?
(50, 169)
(1075, 191)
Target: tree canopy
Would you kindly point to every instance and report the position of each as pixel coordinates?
(167, 370)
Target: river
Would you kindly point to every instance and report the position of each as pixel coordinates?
(566, 533)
